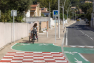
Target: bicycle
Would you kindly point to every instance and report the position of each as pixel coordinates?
(33, 37)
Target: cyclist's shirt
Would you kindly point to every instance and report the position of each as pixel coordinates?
(35, 28)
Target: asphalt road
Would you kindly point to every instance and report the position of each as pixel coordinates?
(79, 34)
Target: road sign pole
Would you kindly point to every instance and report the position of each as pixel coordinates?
(13, 13)
(58, 18)
(55, 14)
(55, 29)
(13, 25)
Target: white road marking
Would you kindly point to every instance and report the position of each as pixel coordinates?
(86, 35)
(77, 61)
(82, 46)
(71, 52)
(90, 46)
(82, 57)
(72, 46)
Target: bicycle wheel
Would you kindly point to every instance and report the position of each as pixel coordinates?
(29, 38)
(32, 41)
(37, 39)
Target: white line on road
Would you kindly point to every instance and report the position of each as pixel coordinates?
(86, 35)
(83, 57)
(81, 46)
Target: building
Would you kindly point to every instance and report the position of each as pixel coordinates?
(44, 12)
(72, 8)
(88, 1)
(35, 10)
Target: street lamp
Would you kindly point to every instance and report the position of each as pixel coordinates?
(68, 11)
(0, 14)
(24, 15)
(63, 12)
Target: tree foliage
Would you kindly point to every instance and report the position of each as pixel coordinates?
(88, 14)
(7, 5)
(54, 5)
(85, 7)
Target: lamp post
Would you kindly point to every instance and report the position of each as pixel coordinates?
(63, 12)
(24, 15)
(75, 15)
(0, 14)
(93, 5)
(68, 10)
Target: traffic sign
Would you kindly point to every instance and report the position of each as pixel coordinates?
(55, 12)
(13, 12)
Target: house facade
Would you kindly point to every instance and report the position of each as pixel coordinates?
(45, 12)
(35, 10)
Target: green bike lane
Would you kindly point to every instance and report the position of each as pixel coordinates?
(37, 47)
(75, 54)
(34, 53)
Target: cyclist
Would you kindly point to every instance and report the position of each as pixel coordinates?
(34, 30)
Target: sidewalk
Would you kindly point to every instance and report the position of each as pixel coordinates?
(42, 39)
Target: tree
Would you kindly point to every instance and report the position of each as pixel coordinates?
(85, 7)
(88, 14)
(20, 5)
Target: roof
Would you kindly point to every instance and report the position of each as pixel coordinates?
(33, 5)
(44, 10)
(73, 7)
(33, 9)
(88, 1)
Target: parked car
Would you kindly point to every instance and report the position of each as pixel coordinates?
(78, 20)
(87, 21)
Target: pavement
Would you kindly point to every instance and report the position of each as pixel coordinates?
(8, 53)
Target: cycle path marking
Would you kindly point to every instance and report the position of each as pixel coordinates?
(74, 54)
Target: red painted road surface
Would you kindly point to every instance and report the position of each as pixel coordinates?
(34, 57)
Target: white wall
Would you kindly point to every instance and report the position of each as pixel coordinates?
(52, 22)
(6, 32)
(28, 13)
(65, 21)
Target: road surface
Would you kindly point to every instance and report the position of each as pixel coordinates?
(79, 34)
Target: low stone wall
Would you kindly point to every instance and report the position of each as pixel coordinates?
(10, 33)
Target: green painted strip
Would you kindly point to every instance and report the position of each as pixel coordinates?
(36, 47)
(73, 54)
(77, 56)
(79, 50)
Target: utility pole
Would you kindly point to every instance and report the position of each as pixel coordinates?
(92, 21)
(63, 12)
(63, 15)
(49, 17)
(58, 18)
(0, 14)
(93, 5)
(75, 15)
